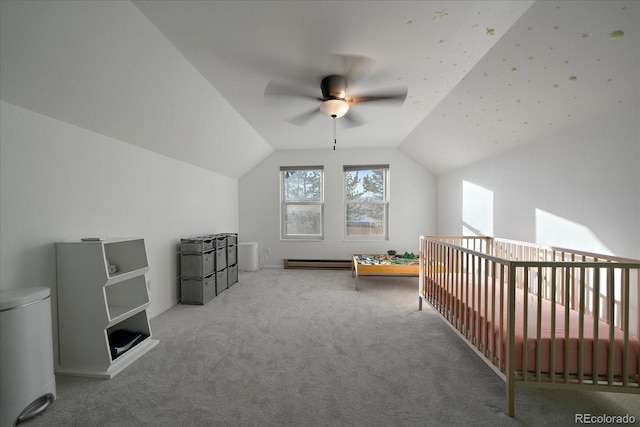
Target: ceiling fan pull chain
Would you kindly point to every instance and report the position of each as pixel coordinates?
(335, 141)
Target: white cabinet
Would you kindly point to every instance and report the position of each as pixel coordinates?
(101, 289)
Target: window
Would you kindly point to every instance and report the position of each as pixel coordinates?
(366, 201)
(302, 207)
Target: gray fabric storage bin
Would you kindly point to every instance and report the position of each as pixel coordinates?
(198, 291)
(197, 244)
(232, 255)
(232, 239)
(221, 241)
(197, 265)
(221, 280)
(232, 275)
(221, 259)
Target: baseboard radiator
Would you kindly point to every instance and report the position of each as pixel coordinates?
(317, 264)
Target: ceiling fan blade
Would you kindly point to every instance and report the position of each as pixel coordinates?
(353, 119)
(277, 89)
(302, 119)
(397, 95)
(354, 67)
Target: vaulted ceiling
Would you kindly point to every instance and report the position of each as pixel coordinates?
(187, 78)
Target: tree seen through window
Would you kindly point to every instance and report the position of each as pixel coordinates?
(302, 203)
(366, 201)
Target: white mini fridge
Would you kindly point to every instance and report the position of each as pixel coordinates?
(28, 384)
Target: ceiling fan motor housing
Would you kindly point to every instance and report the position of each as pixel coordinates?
(334, 87)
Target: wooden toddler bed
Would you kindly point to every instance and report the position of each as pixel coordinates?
(538, 316)
(382, 265)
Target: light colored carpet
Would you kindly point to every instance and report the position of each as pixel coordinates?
(302, 348)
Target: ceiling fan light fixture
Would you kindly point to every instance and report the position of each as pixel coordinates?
(334, 108)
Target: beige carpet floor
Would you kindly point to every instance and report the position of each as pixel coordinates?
(302, 348)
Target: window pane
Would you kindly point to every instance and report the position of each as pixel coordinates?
(365, 219)
(365, 185)
(302, 185)
(303, 219)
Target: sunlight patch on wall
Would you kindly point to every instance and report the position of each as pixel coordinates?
(477, 210)
(557, 231)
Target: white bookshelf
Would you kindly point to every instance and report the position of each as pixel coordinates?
(92, 303)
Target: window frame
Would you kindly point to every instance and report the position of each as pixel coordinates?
(384, 202)
(284, 204)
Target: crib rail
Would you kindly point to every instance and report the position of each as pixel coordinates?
(538, 316)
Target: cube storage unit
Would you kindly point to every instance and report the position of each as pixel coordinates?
(102, 293)
(208, 266)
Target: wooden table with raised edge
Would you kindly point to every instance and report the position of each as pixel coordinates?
(360, 266)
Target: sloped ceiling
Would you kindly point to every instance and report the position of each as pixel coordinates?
(560, 66)
(102, 66)
(187, 78)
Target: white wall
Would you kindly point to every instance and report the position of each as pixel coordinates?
(578, 189)
(60, 182)
(411, 196)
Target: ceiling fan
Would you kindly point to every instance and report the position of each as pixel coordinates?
(335, 102)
